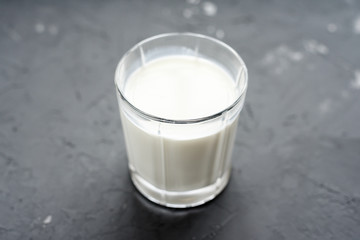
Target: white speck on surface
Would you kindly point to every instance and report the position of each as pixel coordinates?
(325, 106)
(323, 49)
(39, 27)
(268, 59)
(286, 52)
(331, 27)
(309, 46)
(210, 29)
(209, 8)
(195, 2)
(220, 34)
(356, 25)
(47, 220)
(281, 58)
(53, 30)
(187, 13)
(312, 46)
(355, 84)
(296, 56)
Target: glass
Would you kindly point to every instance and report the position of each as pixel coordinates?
(193, 169)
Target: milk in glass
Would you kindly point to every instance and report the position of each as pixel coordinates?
(173, 157)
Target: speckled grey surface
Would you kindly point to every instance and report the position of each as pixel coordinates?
(296, 163)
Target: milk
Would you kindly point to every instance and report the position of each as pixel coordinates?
(172, 159)
(180, 87)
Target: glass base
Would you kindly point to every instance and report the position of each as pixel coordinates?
(179, 199)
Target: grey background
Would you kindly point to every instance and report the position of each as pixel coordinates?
(296, 163)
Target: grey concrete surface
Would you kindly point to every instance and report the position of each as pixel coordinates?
(296, 163)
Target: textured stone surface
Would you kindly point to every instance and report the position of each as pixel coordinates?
(296, 164)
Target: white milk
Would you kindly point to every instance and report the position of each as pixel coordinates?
(179, 157)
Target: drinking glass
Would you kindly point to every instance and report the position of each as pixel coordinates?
(180, 163)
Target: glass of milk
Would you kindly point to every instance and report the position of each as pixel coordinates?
(180, 96)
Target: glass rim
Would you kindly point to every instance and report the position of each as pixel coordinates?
(182, 121)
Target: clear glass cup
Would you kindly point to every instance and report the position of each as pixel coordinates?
(165, 169)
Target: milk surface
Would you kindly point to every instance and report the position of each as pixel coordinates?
(180, 157)
(180, 87)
